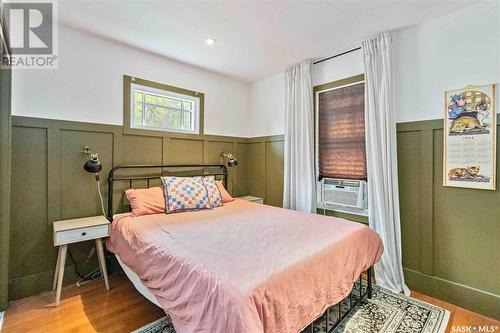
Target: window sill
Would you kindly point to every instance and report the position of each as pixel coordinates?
(348, 213)
(160, 133)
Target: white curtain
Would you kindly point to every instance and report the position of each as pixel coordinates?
(381, 158)
(299, 185)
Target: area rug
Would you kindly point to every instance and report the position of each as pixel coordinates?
(386, 312)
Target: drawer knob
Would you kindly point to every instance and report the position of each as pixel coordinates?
(84, 233)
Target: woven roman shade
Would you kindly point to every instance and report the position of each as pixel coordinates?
(341, 130)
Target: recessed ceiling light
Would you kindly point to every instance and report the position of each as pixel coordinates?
(210, 41)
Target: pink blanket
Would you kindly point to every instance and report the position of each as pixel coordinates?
(244, 267)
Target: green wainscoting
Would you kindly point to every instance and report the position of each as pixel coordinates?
(48, 184)
(449, 235)
(263, 168)
(5, 162)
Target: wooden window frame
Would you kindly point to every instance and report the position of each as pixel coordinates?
(127, 124)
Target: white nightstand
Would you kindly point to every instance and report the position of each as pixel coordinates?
(74, 231)
(252, 199)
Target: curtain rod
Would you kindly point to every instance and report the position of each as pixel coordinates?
(337, 55)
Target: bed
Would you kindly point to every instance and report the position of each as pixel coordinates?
(242, 267)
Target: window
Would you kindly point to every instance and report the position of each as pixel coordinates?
(158, 107)
(341, 130)
(340, 147)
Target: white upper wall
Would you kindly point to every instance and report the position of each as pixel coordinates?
(267, 96)
(445, 53)
(346, 65)
(267, 106)
(88, 86)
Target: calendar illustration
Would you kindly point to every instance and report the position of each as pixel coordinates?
(470, 138)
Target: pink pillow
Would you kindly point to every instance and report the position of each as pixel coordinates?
(225, 196)
(146, 201)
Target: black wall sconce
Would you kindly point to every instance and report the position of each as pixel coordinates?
(93, 165)
(231, 160)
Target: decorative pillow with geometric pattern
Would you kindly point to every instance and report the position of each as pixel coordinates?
(214, 196)
(184, 194)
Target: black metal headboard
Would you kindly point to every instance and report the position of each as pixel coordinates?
(199, 170)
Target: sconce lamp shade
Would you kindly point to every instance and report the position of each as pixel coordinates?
(231, 160)
(93, 165)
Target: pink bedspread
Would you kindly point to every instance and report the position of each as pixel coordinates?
(244, 267)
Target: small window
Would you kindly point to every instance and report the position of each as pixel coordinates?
(159, 107)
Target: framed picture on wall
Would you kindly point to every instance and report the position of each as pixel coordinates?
(470, 138)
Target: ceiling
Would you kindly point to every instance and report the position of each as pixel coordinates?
(254, 38)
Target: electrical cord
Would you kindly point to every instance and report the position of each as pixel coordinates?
(96, 272)
(100, 194)
(76, 267)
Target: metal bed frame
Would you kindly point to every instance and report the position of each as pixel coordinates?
(200, 170)
(220, 170)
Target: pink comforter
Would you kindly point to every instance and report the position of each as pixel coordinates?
(244, 267)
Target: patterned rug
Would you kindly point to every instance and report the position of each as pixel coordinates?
(386, 312)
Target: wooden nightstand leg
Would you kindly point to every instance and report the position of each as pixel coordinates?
(56, 270)
(60, 273)
(102, 262)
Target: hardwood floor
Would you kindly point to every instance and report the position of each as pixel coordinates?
(90, 308)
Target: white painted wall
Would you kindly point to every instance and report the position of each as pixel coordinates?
(88, 86)
(446, 53)
(267, 96)
(347, 65)
(443, 54)
(267, 106)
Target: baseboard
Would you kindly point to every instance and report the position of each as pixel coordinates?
(476, 300)
(37, 283)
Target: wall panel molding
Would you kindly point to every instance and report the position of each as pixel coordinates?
(449, 244)
(52, 149)
(447, 248)
(5, 182)
(427, 205)
(465, 296)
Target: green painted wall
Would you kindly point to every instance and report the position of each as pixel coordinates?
(5, 146)
(48, 184)
(450, 235)
(263, 168)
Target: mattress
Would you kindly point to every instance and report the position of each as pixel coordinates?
(244, 267)
(136, 281)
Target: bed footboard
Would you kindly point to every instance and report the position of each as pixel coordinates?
(341, 309)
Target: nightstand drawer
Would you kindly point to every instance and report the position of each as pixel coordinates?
(81, 234)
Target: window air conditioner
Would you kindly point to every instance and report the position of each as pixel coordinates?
(344, 192)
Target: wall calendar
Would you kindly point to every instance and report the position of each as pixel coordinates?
(470, 138)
